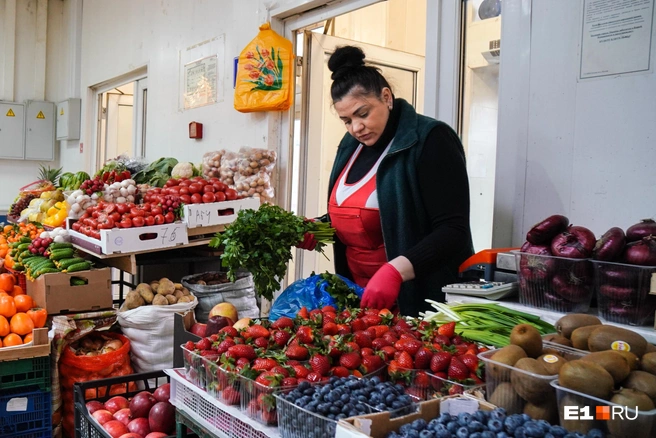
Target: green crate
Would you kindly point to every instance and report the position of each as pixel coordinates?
(34, 371)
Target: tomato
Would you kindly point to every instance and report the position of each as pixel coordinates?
(126, 222)
(135, 212)
(208, 197)
(198, 179)
(38, 316)
(21, 324)
(7, 306)
(7, 282)
(95, 214)
(185, 183)
(219, 186)
(185, 199)
(196, 198)
(220, 196)
(156, 210)
(76, 226)
(138, 221)
(169, 217)
(92, 223)
(122, 208)
(175, 191)
(115, 216)
(110, 208)
(105, 222)
(94, 234)
(159, 218)
(208, 188)
(184, 190)
(195, 188)
(150, 221)
(214, 180)
(145, 207)
(23, 303)
(231, 194)
(172, 182)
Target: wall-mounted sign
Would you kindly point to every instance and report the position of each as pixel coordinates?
(200, 82)
(616, 37)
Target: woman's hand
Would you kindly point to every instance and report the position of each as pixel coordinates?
(383, 288)
(308, 243)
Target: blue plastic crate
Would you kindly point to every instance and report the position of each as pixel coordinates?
(40, 433)
(24, 413)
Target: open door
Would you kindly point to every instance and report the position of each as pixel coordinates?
(322, 130)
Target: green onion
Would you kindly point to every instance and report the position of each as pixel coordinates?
(489, 324)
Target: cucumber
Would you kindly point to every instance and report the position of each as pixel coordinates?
(82, 266)
(23, 246)
(65, 263)
(45, 271)
(60, 254)
(60, 245)
(79, 281)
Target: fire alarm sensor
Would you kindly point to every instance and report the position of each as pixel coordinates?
(195, 130)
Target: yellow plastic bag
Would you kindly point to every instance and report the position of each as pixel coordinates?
(264, 73)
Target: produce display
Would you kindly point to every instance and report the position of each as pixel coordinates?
(18, 314)
(42, 255)
(69, 181)
(195, 190)
(157, 293)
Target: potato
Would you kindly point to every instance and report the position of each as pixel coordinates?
(185, 291)
(165, 287)
(186, 299)
(146, 292)
(178, 294)
(172, 299)
(154, 285)
(133, 300)
(160, 300)
(178, 286)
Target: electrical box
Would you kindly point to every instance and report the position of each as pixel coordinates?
(68, 119)
(40, 131)
(12, 123)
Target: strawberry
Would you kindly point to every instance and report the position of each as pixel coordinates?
(229, 331)
(281, 337)
(441, 339)
(457, 369)
(314, 377)
(416, 392)
(214, 337)
(212, 355)
(283, 322)
(269, 378)
(471, 361)
(401, 325)
(336, 347)
(314, 313)
(447, 329)
(190, 345)
(297, 352)
(340, 371)
(372, 320)
(279, 369)
(326, 309)
(329, 317)
(372, 363)
(378, 330)
(230, 396)
(440, 361)
(303, 313)
(224, 345)
(289, 381)
(300, 371)
(256, 331)
(455, 389)
(405, 360)
(409, 345)
(366, 351)
(362, 338)
(261, 342)
(422, 380)
(264, 363)
(241, 350)
(270, 417)
(305, 334)
(253, 408)
(350, 360)
(329, 328)
(388, 351)
(460, 349)
(351, 346)
(476, 379)
(343, 329)
(457, 339)
(390, 337)
(320, 364)
(407, 335)
(423, 358)
(379, 343)
(358, 324)
(242, 362)
(204, 344)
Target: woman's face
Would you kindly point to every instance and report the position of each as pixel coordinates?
(365, 116)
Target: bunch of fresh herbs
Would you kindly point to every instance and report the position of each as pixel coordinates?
(261, 241)
(344, 295)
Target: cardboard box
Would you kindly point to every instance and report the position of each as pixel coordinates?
(40, 347)
(378, 425)
(181, 334)
(216, 213)
(126, 240)
(54, 292)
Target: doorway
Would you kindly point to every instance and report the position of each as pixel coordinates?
(393, 43)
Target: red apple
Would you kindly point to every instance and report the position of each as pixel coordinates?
(139, 426)
(116, 403)
(225, 309)
(115, 428)
(131, 435)
(141, 403)
(163, 393)
(123, 415)
(102, 416)
(162, 417)
(199, 329)
(156, 435)
(94, 405)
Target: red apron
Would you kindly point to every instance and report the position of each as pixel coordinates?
(353, 210)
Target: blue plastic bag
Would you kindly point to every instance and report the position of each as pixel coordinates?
(309, 292)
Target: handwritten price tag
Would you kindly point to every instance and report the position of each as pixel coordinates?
(203, 217)
(168, 238)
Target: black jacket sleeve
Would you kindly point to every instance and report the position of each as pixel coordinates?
(445, 193)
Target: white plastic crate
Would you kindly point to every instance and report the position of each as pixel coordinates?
(216, 213)
(217, 418)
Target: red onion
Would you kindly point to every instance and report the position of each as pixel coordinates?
(535, 267)
(574, 243)
(619, 293)
(617, 308)
(570, 287)
(646, 227)
(618, 275)
(610, 246)
(642, 252)
(543, 232)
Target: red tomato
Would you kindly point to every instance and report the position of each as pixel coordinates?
(208, 188)
(231, 194)
(126, 222)
(169, 217)
(105, 222)
(185, 183)
(138, 221)
(196, 198)
(145, 207)
(95, 234)
(76, 226)
(156, 210)
(122, 208)
(208, 197)
(172, 182)
(185, 199)
(150, 220)
(184, 190)
(95, 214)
(110, 208)
(214, 179)
(220, 196)
(116, 216)
(135, 212)
(198, 179)
(195, 188)
(159, 219)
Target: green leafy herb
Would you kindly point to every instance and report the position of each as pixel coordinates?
(344, 295)
(260, 241)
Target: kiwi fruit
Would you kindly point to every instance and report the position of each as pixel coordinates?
(581, 426)
(648, 363)
(530, 387)
(568, 323)
(548, 410)
(508, 355)
(557, 339)
(605, 337)
(552, 362)
(504, 396)
(611, 361)
(625, 427)
(642, 381)
(631, 359)
(651, 348)
(527, 337)
(580, 336)
(586, 377)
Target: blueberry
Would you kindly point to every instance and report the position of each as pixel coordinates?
(464, 418)
(488, 434)
(444, 418)
(520, 432)
(419, 424)
(462, 432)
(595, 433)
(495, 425)
(533, 429)
(481, 416)
(393, 435)
(413, 434)
(548, 435)
(499, 414)
(544, 424)
(502, 434)
(375, 380)
(442, 432)
(526, 418)
(475, 435)
(475, 426)
(511, 423)
(335, 410)
(426, 434)
(340, 416)
(452, 426)
(574, 435)
(404, 429)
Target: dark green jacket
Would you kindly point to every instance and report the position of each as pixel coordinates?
(403, 216)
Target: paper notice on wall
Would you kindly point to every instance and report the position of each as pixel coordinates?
(616, 37)
(200, 82)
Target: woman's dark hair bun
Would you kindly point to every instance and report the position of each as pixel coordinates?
(345, 59)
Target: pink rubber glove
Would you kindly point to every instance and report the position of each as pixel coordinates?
(383, 288)
(309, 242)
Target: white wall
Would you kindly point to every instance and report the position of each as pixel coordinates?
(123, 35)
(583, 149)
